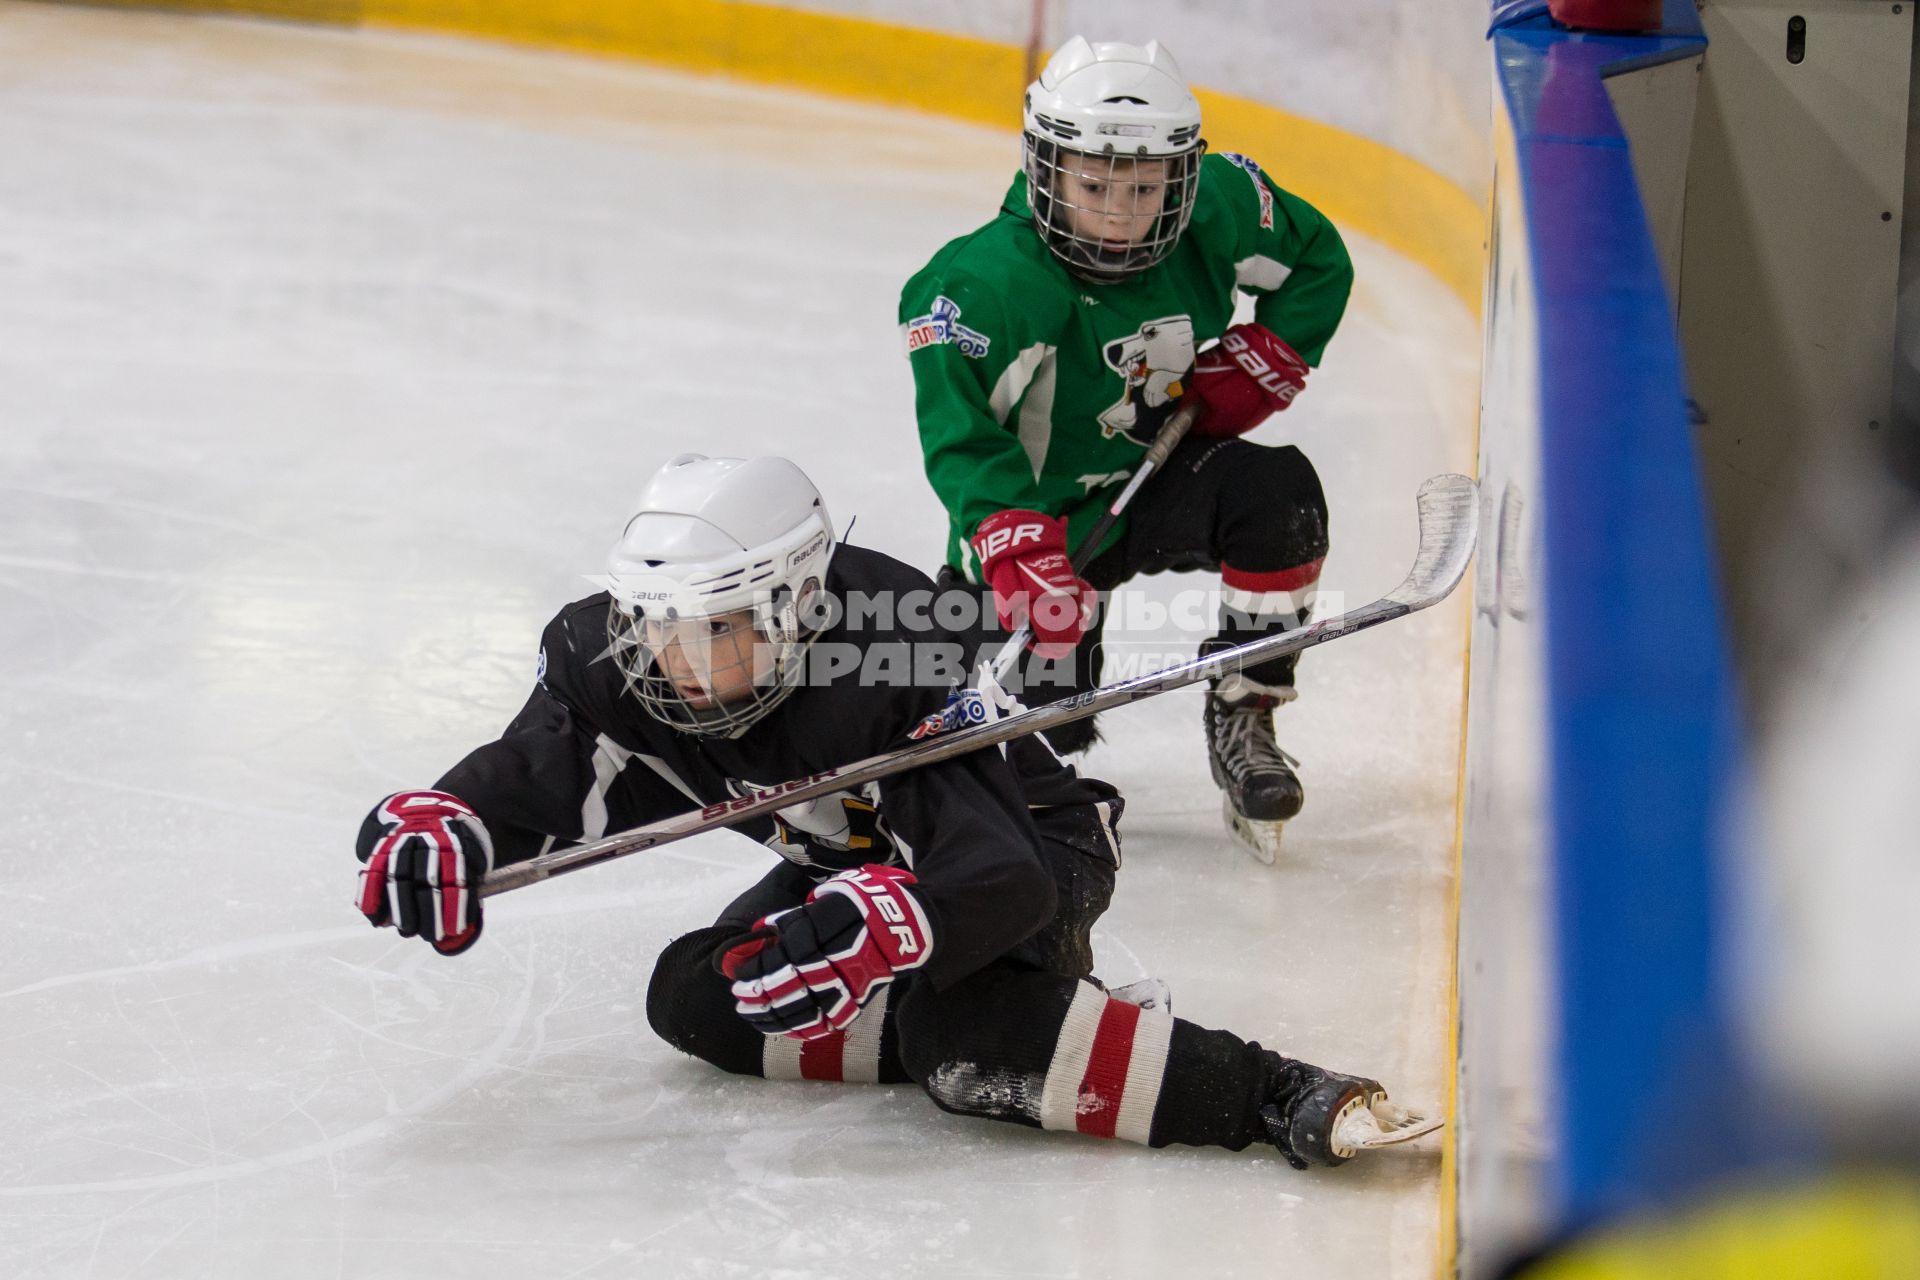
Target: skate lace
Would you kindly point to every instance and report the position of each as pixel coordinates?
(1290, 1083)
(1247, 743)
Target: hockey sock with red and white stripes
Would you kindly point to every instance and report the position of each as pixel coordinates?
(1282, 595)
(1059, 1053)
(1255, 604)
(1122, 1072)
(691, 1007)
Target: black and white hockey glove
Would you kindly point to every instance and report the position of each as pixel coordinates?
(426, 853)
(806, 972)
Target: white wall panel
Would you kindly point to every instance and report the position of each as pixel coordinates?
(1407, 73)
(1002, 21)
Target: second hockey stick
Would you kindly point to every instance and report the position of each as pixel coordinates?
(1448, 521)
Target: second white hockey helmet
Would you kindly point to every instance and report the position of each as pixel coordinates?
(712, 584)
(1113, 150)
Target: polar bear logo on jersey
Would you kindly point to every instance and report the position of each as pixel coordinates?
(838, 831)
(1150, 363)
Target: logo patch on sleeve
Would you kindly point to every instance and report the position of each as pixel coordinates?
(1259, 185)
(941, 327)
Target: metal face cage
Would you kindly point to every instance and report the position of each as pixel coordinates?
(707, 674)
(1106, 214)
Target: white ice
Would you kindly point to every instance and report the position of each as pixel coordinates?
(329, 362)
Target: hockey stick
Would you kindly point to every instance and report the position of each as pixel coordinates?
(1170, 434)
(1448, 519)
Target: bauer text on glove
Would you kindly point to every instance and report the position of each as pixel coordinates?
(1023, 557)
(807, 972)
(1249, 375)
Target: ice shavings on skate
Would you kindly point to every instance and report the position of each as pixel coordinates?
(1148, 994)
(1361, 1127)
(972, 1089)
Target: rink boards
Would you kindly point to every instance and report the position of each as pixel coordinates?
(1599, 732)
(1602, 744)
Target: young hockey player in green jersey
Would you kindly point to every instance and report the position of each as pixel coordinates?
(1049, 346)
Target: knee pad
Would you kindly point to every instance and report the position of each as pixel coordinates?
(947, 1036)
(690, 1006)
(1275, 509)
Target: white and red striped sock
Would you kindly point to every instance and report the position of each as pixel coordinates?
(1107, 1067)
(851, 1056)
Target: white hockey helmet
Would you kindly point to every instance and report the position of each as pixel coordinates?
(712, 583)
(1113, 148)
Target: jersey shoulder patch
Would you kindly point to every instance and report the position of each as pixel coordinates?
(1265, 193)
(941, 326)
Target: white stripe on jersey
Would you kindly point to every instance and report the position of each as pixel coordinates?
(609, 758)
(1105, 809)
(1015, 379)
(1260, 273)
(661, 767)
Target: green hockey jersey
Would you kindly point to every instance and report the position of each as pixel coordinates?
(1037, 389)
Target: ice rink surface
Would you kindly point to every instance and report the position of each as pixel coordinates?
(329, 361)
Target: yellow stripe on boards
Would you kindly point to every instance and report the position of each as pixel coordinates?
(335, 13)
(949, 75)
(1364, 186)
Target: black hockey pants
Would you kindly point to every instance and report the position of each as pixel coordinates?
(1030, 1038)
(1254, 512)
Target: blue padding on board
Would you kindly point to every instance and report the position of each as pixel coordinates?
(1642, 723)
(1507, 12)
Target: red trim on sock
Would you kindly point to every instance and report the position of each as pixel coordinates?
(1098, 1111)
(820, 1059)
(1279, 580)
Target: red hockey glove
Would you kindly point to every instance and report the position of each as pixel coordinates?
(806, 972)
(1023, 557)
(425, 854)
(1248, 376)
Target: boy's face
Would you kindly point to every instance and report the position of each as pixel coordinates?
(1110, 202)
(711, 660)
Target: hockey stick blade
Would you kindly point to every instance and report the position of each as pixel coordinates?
(1448, 518)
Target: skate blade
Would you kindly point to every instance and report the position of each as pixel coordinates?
(1261, 839)
(1385, 1124)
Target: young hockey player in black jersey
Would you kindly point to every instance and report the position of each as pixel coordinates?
(934, 927)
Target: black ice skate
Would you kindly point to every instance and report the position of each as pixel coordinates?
(1258, 787)
(1316, 1116)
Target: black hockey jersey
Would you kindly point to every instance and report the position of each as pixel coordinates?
(583, 759)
